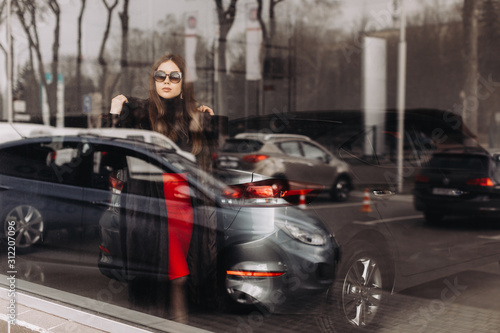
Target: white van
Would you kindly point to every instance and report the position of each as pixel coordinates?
(17, 131)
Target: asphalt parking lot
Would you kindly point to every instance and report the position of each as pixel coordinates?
(465, 302)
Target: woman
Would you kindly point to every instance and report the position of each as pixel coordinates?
(171, 109)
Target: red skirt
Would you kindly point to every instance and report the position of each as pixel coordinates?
(180, 223)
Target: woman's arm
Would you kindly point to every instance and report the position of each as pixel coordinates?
(117, 104)
(130, 112)
(204, 108)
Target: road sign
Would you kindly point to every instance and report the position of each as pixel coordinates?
(87, 103)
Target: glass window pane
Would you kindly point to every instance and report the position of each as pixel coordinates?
(291, 148)
(313, 152)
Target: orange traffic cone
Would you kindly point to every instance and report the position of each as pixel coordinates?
(302, 200)
(366, 208)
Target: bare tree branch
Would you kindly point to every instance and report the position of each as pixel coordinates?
(470, 24)
(26, 11)
(2, 7)
(102, 61)
(79, 57)
(226, 17)
(226, 20)
(124, 18)
(110, 9)
(54, 6)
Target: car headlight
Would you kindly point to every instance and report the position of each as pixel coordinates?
(300, 233)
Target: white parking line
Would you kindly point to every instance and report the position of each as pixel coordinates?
(497, 237)
(393, 219)
(335, 205)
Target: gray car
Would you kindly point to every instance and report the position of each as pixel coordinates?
(268, 250)
(287, 156)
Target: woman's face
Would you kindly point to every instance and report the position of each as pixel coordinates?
(167, 89)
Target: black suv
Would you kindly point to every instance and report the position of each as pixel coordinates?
(458, 181)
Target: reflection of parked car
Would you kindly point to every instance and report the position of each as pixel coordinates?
(288, 156)
(79, 181)
(17, 131)
(459, 181)
(126, 133)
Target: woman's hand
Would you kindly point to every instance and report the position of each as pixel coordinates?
(117, 104)
(204, 108)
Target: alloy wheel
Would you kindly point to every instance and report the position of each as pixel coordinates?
(29, 225)
(362, 292)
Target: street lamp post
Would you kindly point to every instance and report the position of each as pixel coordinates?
(9, 63)
(401, 91)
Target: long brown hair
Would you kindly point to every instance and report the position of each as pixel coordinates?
(187, 123)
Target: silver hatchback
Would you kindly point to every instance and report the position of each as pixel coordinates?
(287, 156)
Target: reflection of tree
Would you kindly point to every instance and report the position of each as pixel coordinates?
(268, 34)
(101, 57)
(2, 8)
(28, 12)
(3, 5)
(79, 57)
(316, 54)
(434, 52)
(125, 82)
(74, 89)
(470, 26)
(489, 46)
(226, 20)
(27, 88)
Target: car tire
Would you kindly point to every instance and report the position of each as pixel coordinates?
(340, 189)
(28, 228)
(433, 217)
(354, 302)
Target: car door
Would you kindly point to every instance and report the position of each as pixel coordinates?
(42, 191)
(322, 171)
(296, 166)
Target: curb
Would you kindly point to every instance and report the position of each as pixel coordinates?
(37, 311)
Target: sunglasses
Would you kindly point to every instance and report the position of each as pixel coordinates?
(174, 77)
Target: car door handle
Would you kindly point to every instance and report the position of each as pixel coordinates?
(383, 193)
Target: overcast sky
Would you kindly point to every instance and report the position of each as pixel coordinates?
(145, 15)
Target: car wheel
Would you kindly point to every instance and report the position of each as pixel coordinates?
(24, 223)
(340, 190)
(433, 217)
(360, 291)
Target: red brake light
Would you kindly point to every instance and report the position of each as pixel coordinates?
(480, 182)
(251, 191)
(260, 191)
(421, 179)
(103, 249)
(291, 191)
(115, 183)
(254, 158)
